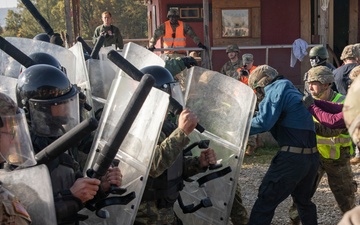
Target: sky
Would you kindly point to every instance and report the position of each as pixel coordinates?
(8, 3)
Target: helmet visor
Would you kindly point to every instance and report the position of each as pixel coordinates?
(55, 117)
(15, 143)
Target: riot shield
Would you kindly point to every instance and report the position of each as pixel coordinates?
(28, 46)
(136, 151)
(8, 86)
(225, 108)
(81, 76)
(102, 72)
(32, 186)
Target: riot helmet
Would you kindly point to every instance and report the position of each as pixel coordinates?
(232, 48)
(321, 74)
(15, 143)
(318, 55)
(165, 81)
(45, 58)
(50, 101)
(42, 37)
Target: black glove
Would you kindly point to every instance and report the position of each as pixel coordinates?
(307, 99)
(189, 61)
(151, 48)
(200, 45)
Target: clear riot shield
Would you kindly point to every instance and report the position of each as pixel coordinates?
(81, 76)
(65, 56)
(102, 72)
(135, 153)
(225, 108)
(32, 186)
(8, 86)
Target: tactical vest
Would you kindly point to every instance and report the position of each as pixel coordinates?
(329, 148)
(165, 188)
(174, 39)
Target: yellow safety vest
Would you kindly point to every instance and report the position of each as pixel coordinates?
(174, 39)
(329, 148)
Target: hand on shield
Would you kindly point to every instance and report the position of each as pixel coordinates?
(85, 188)
(187, 121)
(113, 176)
(207, 158)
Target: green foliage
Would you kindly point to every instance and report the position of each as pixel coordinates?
(13, 23)
(129, 15)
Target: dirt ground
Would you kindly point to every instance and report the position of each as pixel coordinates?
(328, 211)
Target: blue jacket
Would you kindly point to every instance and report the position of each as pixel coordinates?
(282, 106)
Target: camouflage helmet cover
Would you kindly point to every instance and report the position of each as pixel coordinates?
(232, 48)
(350, 51)
(173, 12)
(262, 76)
(320, 73)
(319, 51)
(355, 72)
(351, 111)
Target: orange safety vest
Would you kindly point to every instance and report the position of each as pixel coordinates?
(171, 41)
(245, 79)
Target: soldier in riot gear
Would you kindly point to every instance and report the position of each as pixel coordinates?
(169, 166)
(42, 37)
(230, 67)
(15, 150)
(51, 104)
(45, 58)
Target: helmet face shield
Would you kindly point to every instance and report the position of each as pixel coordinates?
(15, 143)
(54, 117)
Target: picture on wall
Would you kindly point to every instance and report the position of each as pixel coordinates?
(235, 23)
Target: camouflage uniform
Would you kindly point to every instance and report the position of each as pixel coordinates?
(229, 69)
(168, 149)
(160, 31)
(340, 176)
(12, 212)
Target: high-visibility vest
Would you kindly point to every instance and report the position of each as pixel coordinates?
(171, 41)
(329, 148)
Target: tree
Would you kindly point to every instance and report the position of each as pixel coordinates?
(129, 15)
